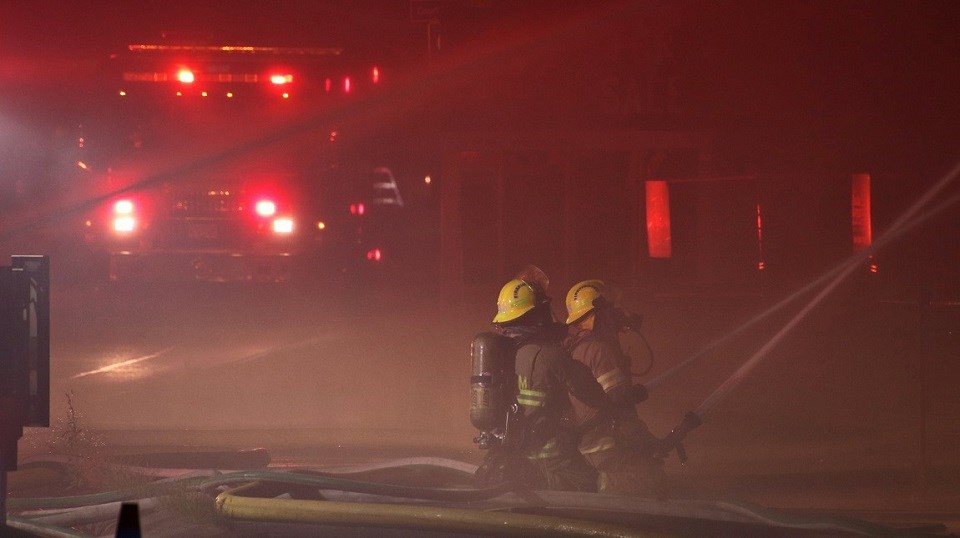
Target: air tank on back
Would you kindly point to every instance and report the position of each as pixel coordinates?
(491, 382)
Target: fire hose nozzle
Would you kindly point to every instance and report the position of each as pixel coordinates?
(690, 422)
(674, 441)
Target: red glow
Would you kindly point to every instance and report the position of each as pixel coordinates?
(279, 79)
(357, 209)
(266, 208)
(327, 85)
(659, 241)
(375, 75)
(760, 265)
(346, 85)
(374, 255)
(860, 212)
(185, 76)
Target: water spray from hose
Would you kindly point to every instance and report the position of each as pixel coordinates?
(907, 221)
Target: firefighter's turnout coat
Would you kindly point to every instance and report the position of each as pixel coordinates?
(546, 377)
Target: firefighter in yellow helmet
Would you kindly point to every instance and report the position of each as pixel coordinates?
(546, 377)
(623, 450)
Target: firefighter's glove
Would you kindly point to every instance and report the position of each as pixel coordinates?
(638, 393)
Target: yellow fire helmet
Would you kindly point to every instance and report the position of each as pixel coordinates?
(516, 299)
(580, 298)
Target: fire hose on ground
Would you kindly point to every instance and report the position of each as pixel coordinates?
(343, 500)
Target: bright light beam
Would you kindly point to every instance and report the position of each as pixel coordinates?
(121, 364)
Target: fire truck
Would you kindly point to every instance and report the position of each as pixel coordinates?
(234, 163)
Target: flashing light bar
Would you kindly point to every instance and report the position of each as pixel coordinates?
(281, 79)
(237, 49)
(244, 78)
(227, 95)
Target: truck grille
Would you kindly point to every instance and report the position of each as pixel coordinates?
(206, 220)
(206, 204)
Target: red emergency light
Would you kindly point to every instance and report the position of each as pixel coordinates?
(659, 242)
(374, 255)
(761, 264)
(862, 228)
(185, 76)
(357, 209)
(347, 85)
(124, 221)
(375, 75)
(265, 208)
(283, 225)
(280, 79)
(123, 207)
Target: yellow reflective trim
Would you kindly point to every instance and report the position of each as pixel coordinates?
(603, 481)
(605, 443)
(549, 450)
(533, 398)
(611, 379)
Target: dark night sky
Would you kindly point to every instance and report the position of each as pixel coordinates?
(838, 84)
